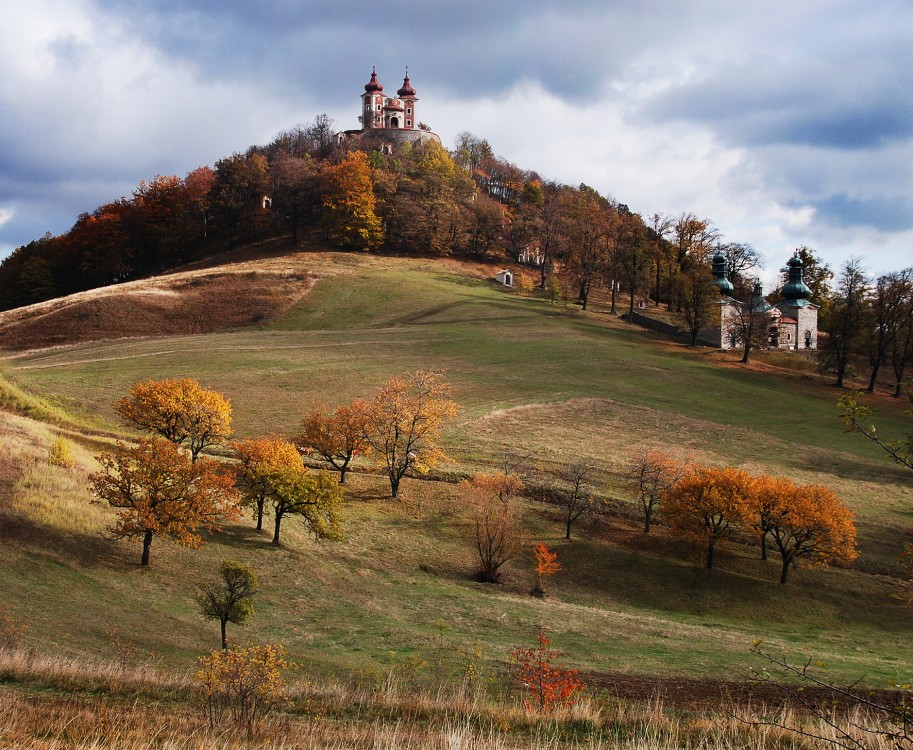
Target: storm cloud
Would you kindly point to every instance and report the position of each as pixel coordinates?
(784, 123)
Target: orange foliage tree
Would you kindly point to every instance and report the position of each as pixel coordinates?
(708, 504)
(650, 474)
(546, 564)
(338, 437)
(809, 524)
(181, 411)
(496, 522)
(548, 684)
(258, 460)
(404, 421)
(159, 491)
(349, 203)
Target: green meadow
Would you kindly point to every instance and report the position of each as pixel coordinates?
(532, 377)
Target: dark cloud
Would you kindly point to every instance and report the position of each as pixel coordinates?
(476, 47)
(888, 214)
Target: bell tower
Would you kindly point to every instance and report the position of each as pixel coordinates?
(408, 98)
(372, 103)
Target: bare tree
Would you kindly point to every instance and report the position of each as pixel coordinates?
(650, 473)
(574, 494)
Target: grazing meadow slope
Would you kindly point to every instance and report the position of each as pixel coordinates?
(397, 593)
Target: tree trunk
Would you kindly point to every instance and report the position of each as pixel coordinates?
(648, 513)
(656, 290)
(764, 546)
(394, 486)
(567, 526)
(276, 528)
(614, 293)
(785, 569)
(744, 359)
(342, 473)
(224, 639)
(873, 377)
(899, 386)
(259, 515)
(710, 553)
(147, 543)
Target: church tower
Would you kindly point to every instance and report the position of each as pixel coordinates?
(408, 98)
(372, 103)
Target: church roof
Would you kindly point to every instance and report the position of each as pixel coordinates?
(373, 85)
(407, 89)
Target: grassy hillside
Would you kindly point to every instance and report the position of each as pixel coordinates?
(397, 593)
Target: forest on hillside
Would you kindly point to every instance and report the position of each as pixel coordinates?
(419, 200)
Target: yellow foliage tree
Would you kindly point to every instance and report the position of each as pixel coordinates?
(338, 437)
(404, 422)
(258, 460)
(181, 411)
(159, 491)
(244, 684)
(317, 499)
(708, 504)
(349, 203)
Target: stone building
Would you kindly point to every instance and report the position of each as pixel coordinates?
(792, 322)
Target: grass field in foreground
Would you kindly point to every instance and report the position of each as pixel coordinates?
(530, 376)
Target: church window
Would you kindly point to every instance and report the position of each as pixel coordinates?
(408, 110)
(408, 123)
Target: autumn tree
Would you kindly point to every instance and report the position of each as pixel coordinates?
(404, 421)
(259, 460)
(181, 411)
(748, 323)
(335, 437)
(890, 312)
(650, 474)
(159, 491)
(548, 684)
(228, 598)
(349, 204)
(241, 181)
(848, 322)
(741, 259)
(496, 522)
(709, 504)
(545, 564)
(698, 299)
(659, 250)
(900, 349)
(316, 499)
(809, 525)
(586, 243)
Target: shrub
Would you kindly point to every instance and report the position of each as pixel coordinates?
(60, 454)
(244, 685)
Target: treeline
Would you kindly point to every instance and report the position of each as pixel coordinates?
(420, 199)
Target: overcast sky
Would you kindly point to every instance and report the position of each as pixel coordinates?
(785, 123)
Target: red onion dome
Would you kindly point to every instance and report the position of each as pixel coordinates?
(373, 85)
(407, 89)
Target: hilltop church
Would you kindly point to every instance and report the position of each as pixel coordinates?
(389, 121)
(793, 322)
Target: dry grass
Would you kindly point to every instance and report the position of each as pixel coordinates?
(108, 705)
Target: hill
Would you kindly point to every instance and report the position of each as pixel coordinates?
(397, 593)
